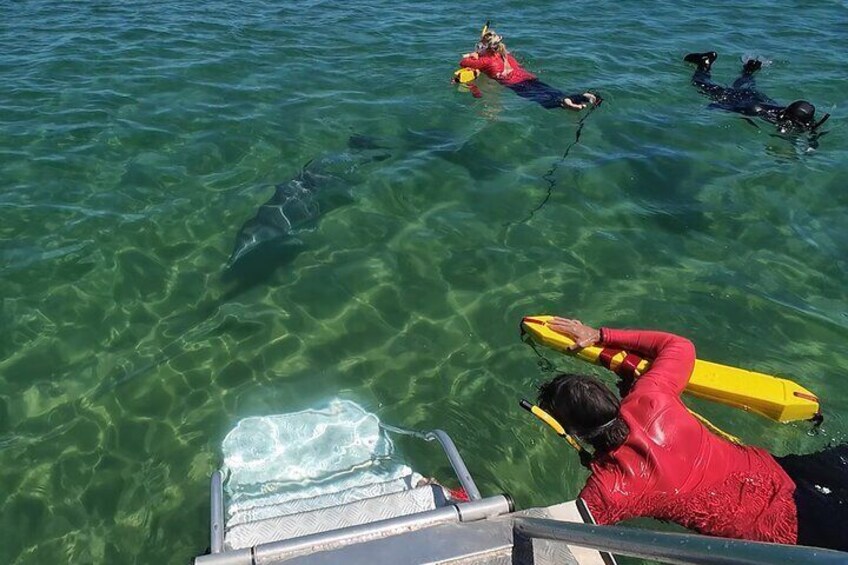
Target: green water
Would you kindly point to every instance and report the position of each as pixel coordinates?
(138, 138)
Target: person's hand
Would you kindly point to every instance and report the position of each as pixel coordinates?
(474, 55)
(582, 334)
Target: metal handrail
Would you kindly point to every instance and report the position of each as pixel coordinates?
(216, 522)
(456, 461)
(686, 549)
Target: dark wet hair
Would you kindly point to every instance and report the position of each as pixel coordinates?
(586, 408)
(799, 112)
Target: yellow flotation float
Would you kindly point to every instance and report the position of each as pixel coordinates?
(773, 397)
(465, 76)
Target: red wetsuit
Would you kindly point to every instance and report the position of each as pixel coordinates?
(492, 64)
(672, 468)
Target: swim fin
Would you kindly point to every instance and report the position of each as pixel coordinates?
(751, 66)
(703, 60)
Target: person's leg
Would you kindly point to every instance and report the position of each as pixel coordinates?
(744, 98)
(746, 77)
(821, 496)
(703, 60)
(550, 97)
(704, 82)
(701, 78)
(537, 91)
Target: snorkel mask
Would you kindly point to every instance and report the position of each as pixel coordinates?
(489, 40)
(799, 115)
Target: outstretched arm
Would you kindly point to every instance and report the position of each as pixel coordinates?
(672, 357)
(472, 61)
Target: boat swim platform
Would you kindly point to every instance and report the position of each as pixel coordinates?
(474, 532)
(402, 520)
(398, 519)
(487, 531)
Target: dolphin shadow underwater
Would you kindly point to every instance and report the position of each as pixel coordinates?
(270, 239)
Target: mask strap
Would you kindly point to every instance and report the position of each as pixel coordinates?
(591, 434)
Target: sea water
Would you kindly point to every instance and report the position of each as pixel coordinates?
(137, 138)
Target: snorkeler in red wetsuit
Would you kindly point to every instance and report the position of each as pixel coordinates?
(652, 458)
(492, 58)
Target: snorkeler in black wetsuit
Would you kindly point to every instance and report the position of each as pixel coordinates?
(743, 97)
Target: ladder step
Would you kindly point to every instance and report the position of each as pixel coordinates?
(276, 505)
(365, 511)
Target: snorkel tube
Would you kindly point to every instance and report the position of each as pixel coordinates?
(585, 456)
(820, 122)
(481, 46)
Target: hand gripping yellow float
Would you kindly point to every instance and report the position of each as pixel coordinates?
(773, 397)
(465, 76)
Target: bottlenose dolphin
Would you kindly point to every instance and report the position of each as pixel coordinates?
(293, 207)
(321, 185)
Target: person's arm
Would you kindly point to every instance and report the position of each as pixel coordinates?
(472, 61)
(672, 357)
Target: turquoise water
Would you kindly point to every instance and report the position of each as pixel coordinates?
(138, 137)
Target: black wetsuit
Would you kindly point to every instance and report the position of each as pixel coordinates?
(545, 95)
(821, 495)
(742, 97)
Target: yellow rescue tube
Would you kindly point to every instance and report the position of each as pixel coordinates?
(464, 75)
(773, 397)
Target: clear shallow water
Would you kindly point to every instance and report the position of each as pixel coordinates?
(137, 138)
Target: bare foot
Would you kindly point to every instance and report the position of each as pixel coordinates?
(568, 103)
